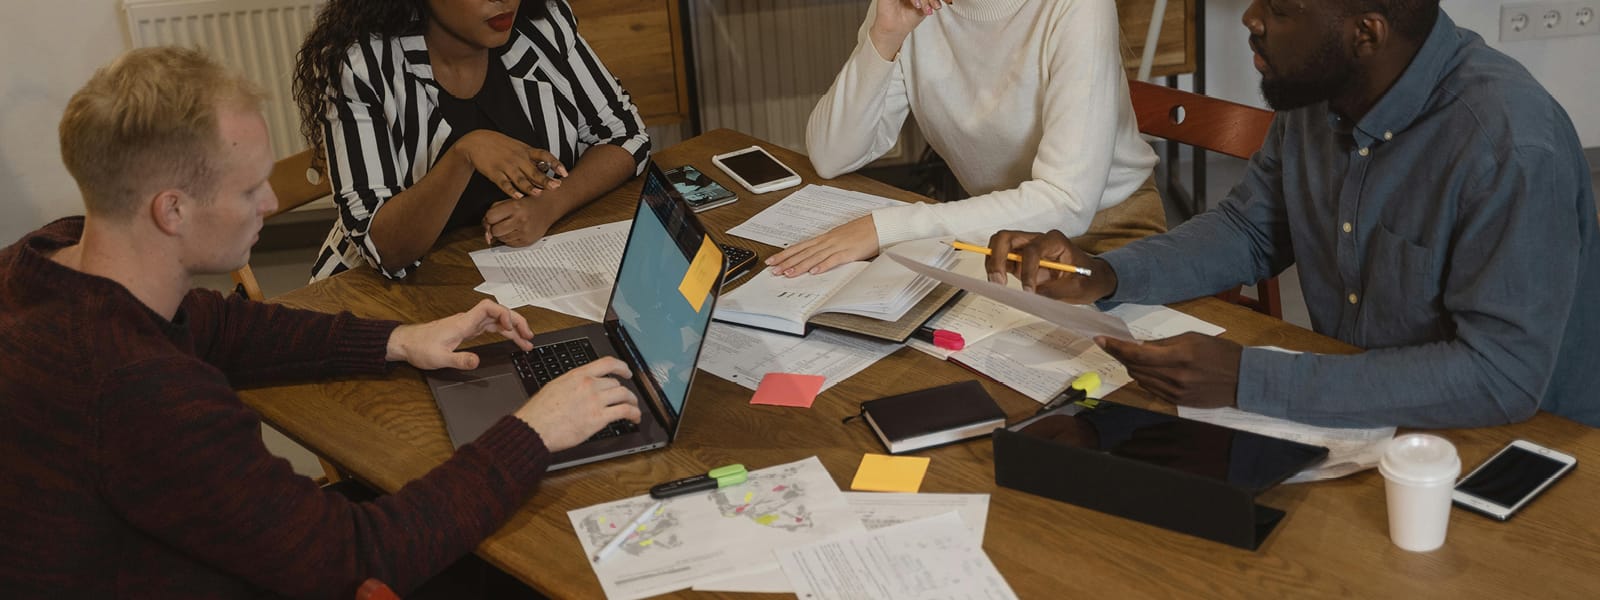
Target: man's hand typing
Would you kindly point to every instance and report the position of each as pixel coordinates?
(433, 345)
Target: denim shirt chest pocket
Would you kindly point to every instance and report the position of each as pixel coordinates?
(1403, 291)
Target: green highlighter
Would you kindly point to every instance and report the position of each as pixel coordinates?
(717, 478)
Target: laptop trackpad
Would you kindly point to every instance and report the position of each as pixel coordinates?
(472, 407)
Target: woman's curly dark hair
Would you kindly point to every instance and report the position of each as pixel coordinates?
(341, 24)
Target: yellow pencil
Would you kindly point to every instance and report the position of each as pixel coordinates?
(1013, 256)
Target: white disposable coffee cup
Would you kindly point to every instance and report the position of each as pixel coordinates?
(1419, 472)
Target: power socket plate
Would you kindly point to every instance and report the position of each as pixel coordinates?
(1545, 20)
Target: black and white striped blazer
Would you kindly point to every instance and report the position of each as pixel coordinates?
(383, 130)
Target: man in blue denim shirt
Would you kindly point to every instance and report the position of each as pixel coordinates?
(1439, 207)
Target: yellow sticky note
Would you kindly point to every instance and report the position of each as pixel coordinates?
(880, 473)
(702, 274)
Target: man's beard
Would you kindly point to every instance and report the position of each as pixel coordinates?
(1329, 74)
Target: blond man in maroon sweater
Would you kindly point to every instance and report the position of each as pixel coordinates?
(128, 467)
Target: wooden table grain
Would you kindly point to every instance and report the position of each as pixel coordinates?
(1333, 543)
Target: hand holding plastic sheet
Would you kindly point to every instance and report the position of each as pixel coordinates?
(1079, 319)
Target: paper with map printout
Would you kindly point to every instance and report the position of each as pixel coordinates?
(714, 534)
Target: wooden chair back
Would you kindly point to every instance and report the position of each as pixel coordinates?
(1214, 125)
(296, 183)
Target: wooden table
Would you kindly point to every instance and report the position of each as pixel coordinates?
(1334, 541)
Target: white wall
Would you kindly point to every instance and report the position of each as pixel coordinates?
(1564, 66)
(48, 48)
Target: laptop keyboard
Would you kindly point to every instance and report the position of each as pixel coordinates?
(545, 363)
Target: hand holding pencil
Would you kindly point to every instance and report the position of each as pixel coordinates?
(1048, 264)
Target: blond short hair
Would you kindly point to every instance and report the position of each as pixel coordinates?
(148, 122)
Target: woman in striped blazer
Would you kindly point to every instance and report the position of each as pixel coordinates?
(438, 114)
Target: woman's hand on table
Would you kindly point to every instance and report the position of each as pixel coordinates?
(853, 241)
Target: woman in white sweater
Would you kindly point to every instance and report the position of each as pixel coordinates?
(1026, 100)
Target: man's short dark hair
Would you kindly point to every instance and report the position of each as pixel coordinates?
(1412, 19)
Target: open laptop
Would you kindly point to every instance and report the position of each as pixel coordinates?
(649, 324)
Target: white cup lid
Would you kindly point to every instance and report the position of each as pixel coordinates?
(1420, 458)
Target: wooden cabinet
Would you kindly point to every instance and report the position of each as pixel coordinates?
(1175, 49)
(641, 42)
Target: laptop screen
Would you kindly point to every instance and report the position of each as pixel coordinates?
(655, 317)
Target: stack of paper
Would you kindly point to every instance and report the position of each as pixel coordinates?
(1034, 356)
(730, 531)
(930, 558)
(730, 539)
(570, 273)
(876, 511)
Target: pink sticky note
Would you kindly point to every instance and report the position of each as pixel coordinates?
(788, 389)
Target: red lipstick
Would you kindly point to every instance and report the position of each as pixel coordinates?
(503, 21)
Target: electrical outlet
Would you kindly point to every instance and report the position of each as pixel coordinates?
(1544, 20)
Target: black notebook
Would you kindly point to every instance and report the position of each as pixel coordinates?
(934, 416)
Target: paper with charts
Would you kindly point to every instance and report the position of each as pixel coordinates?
(569, 272)
(715, 534)
(930, 558)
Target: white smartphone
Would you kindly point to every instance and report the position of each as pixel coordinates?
(756, 170)
(1511, 478)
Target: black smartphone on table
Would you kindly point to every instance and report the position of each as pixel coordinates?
(700, 192)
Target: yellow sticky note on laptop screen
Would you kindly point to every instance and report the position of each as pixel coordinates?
(880, 473)
(702, 274)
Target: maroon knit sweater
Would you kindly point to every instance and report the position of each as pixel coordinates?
(130, 469)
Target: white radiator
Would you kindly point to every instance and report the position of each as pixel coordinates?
(762, 65)
(258, 38)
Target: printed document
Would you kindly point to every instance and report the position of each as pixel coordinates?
(929, 558)
(1086, 321)
(876, 510)
(809, 212)
(744, 355)
(570, 273)
(1040, 359)
(714, 534)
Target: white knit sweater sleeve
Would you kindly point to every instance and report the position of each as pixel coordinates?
(860, 117)
(1084, 93)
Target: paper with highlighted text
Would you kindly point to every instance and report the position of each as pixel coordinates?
(714, 534)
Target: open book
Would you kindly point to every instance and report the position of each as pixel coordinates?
(880, 290)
